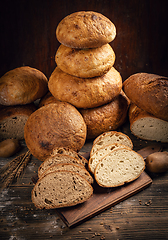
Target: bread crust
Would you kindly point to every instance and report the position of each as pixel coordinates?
(85, 29)
(149, 92)
(85, 92)
(107, 117)
(54, 125)
(22, 85)
(85, 63)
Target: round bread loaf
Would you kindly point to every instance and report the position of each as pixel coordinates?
(149, 92)
(13, 119)
(22, 85)
(107, 117)
(85, 30)
(54, 125)
(85, 92)
(85, 63)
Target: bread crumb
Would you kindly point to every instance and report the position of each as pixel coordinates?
(89, 229)
(117, 228)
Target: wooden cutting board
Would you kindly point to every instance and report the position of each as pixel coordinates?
(104, 198)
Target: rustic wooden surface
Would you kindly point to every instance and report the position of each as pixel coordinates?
(142, 216)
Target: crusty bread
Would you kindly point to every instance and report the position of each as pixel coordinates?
(85, 63)
(149, 92)
(120, 166)
(100, 153)
(22, 85)
(54, 125)
(61, 189)
(85, 92)
(70, 152)
(110, 137)
(13, 120)
(107, 117)
(85, 29)
(145, 126)
(70, 167)
(57, 159)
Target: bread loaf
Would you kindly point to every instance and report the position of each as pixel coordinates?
(145, 126)
(119, 167)
(13, 120)
(70, 167)
(107, 117)
(110, 137)
(22, 85)
(54, 125)
(61, 189)
(85, 29)
(149, 92)
(85, 63)
(85, 92)
(57, 159)
(100, 153)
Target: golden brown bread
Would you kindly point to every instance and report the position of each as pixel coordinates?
(85, 29)
(85, 92)
(107, 117)
(54, 125)
(22, 85)
(85, 63)
(149, 92)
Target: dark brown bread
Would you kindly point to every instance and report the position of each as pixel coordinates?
(85, 29)
(149, 92)
(54, 125)
(22, 85)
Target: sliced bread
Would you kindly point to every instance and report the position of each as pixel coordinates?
(120, 166)
(56, 159)
(100, 153)
(110, 137)
(70, 167)
(61, 189)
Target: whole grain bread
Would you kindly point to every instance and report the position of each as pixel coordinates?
(85, 92)
(110, 137)
(146, 126)
(107, 117)
(54, 125)
(70, 167)
(85, 63)
(149, 92)
(22, 85)
(61, 189)
(120, 166)
(85, 29)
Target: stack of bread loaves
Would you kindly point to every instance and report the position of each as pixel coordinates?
(85, 76)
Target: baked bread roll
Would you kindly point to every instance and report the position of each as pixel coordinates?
(61, 189)
(145, 126)
(110, 137)
(85, 92)
(149, 92)
(85, 29)
(85, 63)
(54, 125)
(22, 85)
(107, 117)
(119, 167)
(13, 120)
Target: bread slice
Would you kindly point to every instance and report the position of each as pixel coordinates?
(61, 189)
(100, 153)
(70, 152)
(145, 126)
(110, 137)
(56, 159)
(120, 166)
(70, 167)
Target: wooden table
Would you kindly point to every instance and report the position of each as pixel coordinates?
(141, 216)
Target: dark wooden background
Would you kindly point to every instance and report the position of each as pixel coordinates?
(27, 33)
